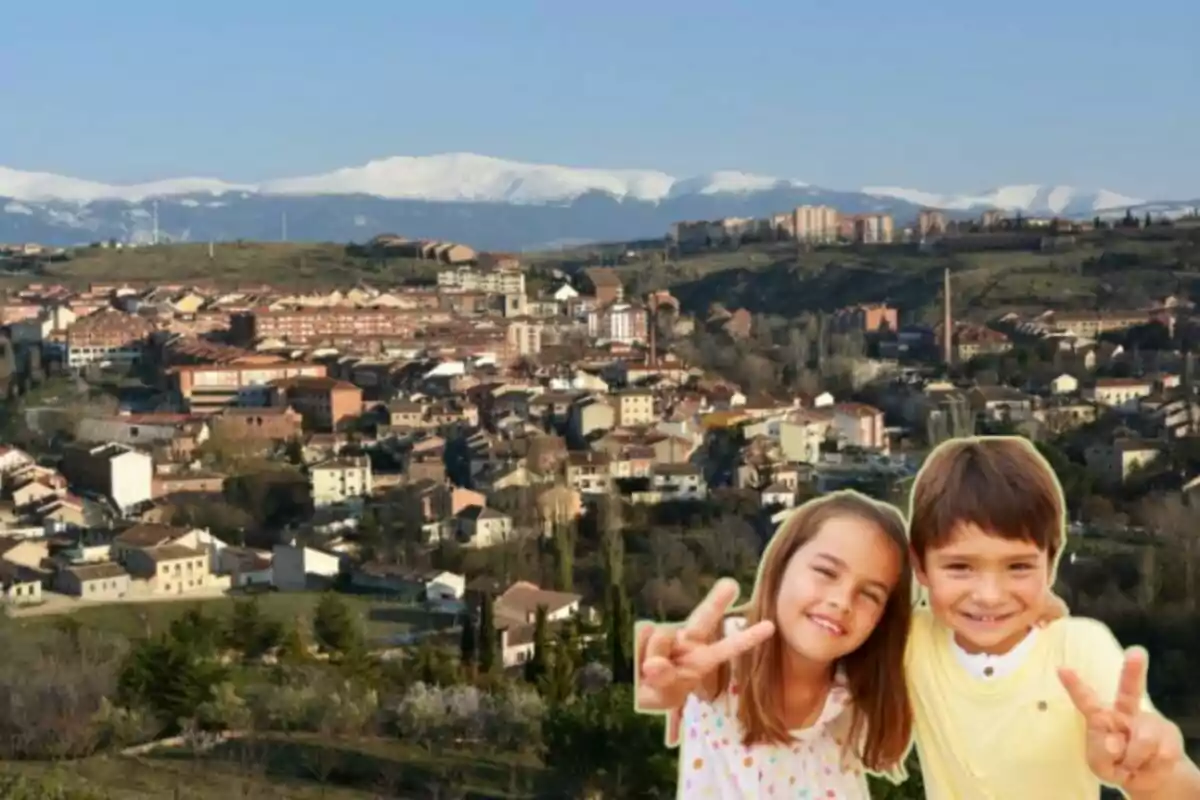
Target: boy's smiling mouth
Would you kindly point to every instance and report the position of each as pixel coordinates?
(987, 619)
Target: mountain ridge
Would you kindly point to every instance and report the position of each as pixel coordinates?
(487, 202)
(468, 177)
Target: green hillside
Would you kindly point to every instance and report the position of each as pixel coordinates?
(1104, 269)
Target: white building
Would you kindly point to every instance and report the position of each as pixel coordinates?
(120, 473)
(340, 480)
(298, 569)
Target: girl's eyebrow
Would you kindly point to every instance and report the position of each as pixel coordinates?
(842, 564)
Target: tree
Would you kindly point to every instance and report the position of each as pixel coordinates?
(171, 677)
(564, 553)
(489, 645)
(468, 644)
(334, 626)
(597, 745)
(1172, 522)
(619, 635)
(537, 664)
(250, 633)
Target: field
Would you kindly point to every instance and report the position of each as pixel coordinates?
(297, 768)
(288, 264)
(381, 618)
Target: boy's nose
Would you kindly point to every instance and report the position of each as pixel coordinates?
(988, 590)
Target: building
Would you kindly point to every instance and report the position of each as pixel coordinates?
(931, 222)
(524, 338)
(813, 224)
(872, 229)
(618, 322)
(105, 581)
(308, 325)
(107, 337)
(325, 404)
(270, 424)
(480, 526)
(860, 425)
(866, 318)
(118, 472)
(678, 482)
(204, 389)
(298, 569)
(634, 407)
(340, 480)
(1115, 463)
(1120, 392)
(605, 285)
(506, 279)
(516, 613)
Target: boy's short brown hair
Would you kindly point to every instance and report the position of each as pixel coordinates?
(1000, 483)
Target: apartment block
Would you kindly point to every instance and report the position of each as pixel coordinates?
(816, 224)
(505, 279)
(306, 325)
(107, 337)
(204, 389)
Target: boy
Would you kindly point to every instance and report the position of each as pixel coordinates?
(1005, 709)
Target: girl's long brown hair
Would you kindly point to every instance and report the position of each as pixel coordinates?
(882, 715)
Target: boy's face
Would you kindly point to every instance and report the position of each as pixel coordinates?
(990, 591)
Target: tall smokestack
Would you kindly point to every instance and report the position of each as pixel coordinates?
(947, 319)
(652, 323)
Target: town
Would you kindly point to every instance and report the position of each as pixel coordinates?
(494, 470)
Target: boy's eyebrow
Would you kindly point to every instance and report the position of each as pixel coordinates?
(838, 562)
(950, 555)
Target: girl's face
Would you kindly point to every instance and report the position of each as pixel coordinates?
(835, 588)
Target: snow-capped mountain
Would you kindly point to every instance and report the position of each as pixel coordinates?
(488, 202)
(1032, 199)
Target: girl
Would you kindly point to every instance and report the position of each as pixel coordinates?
(809, 694)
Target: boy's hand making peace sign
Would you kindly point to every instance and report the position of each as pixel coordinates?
(1127, 745)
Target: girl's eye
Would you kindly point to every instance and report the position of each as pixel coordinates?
(874, 598)
(826, 571)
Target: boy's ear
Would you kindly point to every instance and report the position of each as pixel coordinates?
(918, 568)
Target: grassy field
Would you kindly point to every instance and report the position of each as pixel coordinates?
(299, 767)
(291, 264)
(380, 618)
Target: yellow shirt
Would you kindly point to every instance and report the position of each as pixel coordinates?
(1016, 735)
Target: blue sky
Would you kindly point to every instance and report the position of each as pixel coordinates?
(925, 94)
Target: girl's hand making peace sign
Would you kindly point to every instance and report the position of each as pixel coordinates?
(673, 660)
(1127, 746)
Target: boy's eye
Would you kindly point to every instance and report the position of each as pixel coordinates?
(957, 567)
(1022, 567)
